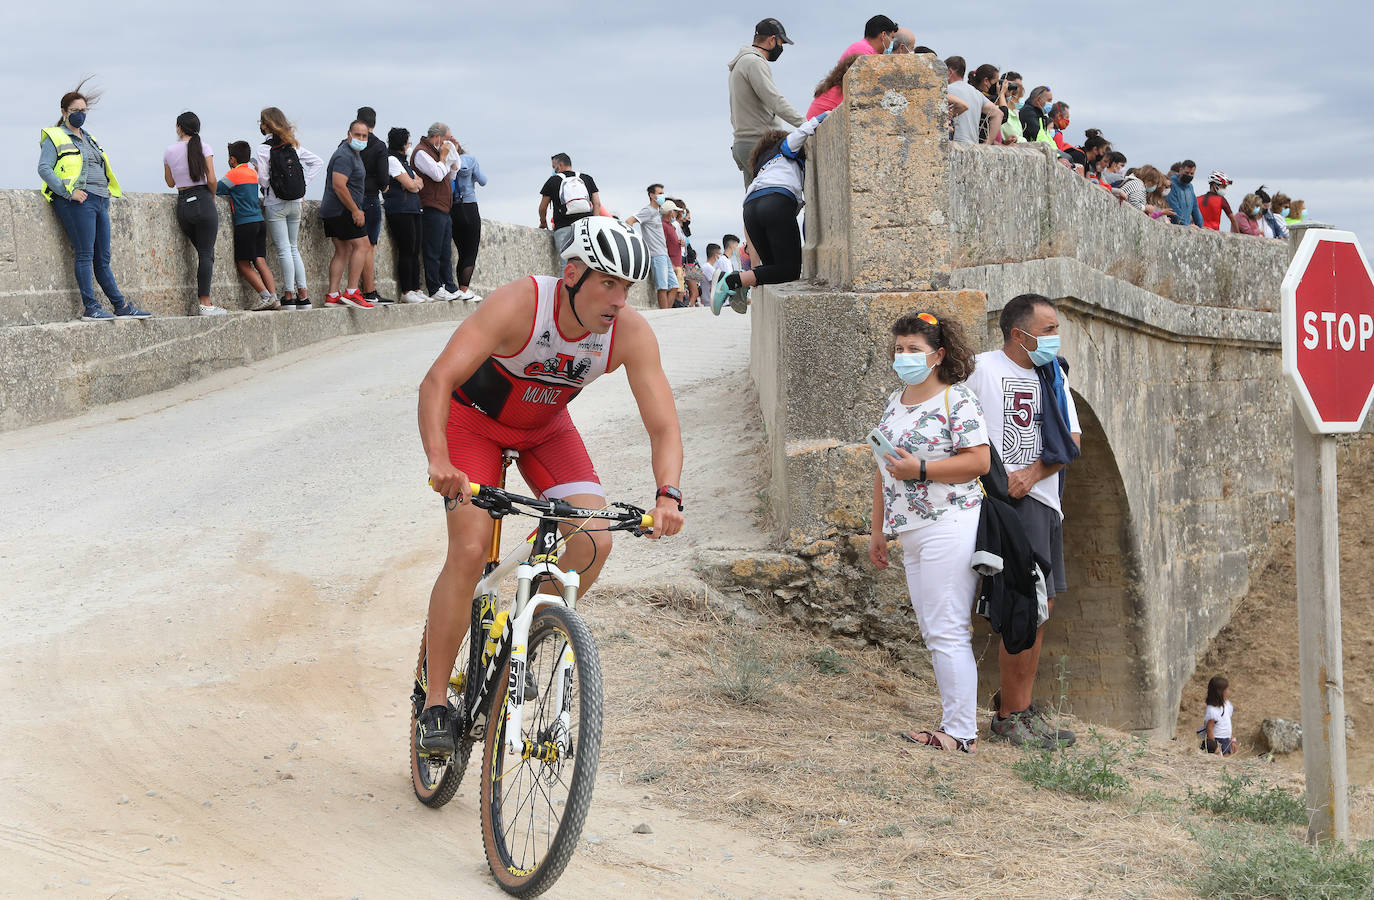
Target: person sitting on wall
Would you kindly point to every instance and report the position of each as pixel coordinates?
(78, 182)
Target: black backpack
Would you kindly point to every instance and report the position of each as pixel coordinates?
(284, 173)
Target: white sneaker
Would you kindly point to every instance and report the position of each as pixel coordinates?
(464, 295)
(213, 310)
(475, 298)
(443, 294)
(413, 297)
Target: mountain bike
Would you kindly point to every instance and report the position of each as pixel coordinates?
(527, 683)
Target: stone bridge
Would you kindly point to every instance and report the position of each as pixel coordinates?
(1172, 335)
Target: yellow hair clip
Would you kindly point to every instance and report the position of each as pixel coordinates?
(928, 319)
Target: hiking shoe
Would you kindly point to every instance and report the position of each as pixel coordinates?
(376, 298)
(433, 732)
(739, 300)
(355, 299)
(1040, 722)
(1016, 729)
(720, 291)
(98, 314)
(129, 311)
(213, 310)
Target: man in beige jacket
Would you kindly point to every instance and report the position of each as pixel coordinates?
(755, 103)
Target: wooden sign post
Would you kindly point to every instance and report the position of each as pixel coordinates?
(1328, 358)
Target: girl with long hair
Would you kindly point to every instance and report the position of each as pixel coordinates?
(188, 165)
(282, 160)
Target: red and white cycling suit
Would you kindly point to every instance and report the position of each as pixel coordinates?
(520, 402)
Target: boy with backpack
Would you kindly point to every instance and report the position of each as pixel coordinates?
(574, 196)
(240, 185)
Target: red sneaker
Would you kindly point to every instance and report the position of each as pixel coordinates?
(355, 298)
(333, 299)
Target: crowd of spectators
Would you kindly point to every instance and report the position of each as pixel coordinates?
(986, 108)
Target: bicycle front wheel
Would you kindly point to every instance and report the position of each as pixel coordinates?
(534, 801)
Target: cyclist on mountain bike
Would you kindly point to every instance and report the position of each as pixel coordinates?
(504, 382)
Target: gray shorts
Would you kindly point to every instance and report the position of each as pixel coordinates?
(1046, 534)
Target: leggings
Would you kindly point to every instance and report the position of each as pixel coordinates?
(775, 244)
(404, 229)
(467, 235)
(199, 221)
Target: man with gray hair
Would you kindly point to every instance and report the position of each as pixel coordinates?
(431, 160)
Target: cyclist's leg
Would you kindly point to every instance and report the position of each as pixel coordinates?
(474, 447)
(558, 467)
(469, 534)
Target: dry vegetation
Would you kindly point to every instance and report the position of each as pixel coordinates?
(809, 755)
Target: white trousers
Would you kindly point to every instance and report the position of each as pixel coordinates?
(941, 580)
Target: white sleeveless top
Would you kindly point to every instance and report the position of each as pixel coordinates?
(530, 387)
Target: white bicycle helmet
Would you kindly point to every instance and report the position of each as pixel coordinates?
(607, 245)
(1219, 177)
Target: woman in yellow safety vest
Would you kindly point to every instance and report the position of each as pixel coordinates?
(78, 182)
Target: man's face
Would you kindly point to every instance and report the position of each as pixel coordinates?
(1188, 170)
(1043, 321)
(601, 298)
(358, 132)
(730, 248)
(557, 166)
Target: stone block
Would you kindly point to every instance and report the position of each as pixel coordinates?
(1283, 735)
(878, 180)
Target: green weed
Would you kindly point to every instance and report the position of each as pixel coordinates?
(827, 662)
(1243, 863)
(1265, 804)
(1088, 774)
(748, 670)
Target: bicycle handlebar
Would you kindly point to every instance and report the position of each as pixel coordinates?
(500, 502)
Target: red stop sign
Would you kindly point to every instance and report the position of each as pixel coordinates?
(1328, 331)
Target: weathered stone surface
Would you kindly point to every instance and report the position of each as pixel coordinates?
(1283, 735)
(878, 180)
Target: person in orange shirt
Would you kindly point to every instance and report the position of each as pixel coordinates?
(240, 185)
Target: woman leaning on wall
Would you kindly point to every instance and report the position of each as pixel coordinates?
(79, 182)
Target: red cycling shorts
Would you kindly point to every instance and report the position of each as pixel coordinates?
(553, 458)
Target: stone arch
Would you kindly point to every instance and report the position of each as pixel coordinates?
(1096, 625)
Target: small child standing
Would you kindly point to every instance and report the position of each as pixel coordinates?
(1216, 721)
(240, 185)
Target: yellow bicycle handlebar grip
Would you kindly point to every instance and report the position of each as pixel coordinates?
(476, 488)
(646, 521)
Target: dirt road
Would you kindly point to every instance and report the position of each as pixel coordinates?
(211, 601)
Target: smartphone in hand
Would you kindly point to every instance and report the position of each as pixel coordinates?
(881, 447)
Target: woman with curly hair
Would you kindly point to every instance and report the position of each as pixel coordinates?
(927, 494)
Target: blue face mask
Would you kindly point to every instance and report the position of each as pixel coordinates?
(357, 144)
(1255, 212)
(76, 119)
(1046, 349)
(911, 367)
(1046, 108)
(658, 198)
(1283, 213)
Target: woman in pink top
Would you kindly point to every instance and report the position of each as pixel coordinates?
(188, 166)
(1247, 217)
(879, 33)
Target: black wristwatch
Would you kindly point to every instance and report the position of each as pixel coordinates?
(671, 493)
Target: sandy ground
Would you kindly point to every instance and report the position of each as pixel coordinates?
(211, 602)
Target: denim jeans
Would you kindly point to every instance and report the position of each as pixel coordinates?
(88, 228)
(562, 237)
(437, 241)
(284, 224)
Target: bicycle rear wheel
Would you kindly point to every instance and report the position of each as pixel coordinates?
(435, 779)
(534, 802)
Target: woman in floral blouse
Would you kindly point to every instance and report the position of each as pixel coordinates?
(929, 497)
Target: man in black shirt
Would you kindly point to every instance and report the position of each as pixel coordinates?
(584, 199)
(374, 164)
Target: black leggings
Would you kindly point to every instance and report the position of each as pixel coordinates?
(404, 229)
(467, 235)
(774, 239)
(199, 221)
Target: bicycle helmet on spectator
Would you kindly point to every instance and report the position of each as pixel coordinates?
(1219, 177)
(609, 246)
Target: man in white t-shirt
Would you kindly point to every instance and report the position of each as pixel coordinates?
(1013, 404)
(708, 273)
(966, 123)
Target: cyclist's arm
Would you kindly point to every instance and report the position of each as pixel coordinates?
(497, 325)
(653, 395)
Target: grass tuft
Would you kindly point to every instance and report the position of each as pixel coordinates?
(749, 669)
(1239, 798)
(1243, 863)
(1087, 774)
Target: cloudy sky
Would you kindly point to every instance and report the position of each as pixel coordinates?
(636, 92)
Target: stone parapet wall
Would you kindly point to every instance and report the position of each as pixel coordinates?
(155, 266)
(1010, 204)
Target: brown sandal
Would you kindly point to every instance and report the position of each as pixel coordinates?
(934, 740)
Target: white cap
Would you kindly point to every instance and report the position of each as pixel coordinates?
(668, 206)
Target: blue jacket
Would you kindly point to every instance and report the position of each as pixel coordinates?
(1184, 202)
(469, 171)
(1056, 440)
